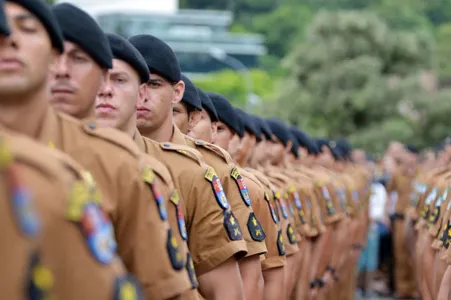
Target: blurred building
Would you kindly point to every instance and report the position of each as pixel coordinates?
(196, 36)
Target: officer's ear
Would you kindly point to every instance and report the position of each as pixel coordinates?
(179, 90)
(288, 146)
(194, 118)
(214, 129)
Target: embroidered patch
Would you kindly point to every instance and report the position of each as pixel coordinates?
(220, 195)
(255, 228)
(127, 288)
(283, 208)
(301, 216)
(296, 199)
(149, 178)
(173, 249)
(232, 227)
(281, 244)
(291, 209)
(40, 279)
(99, 233)
(446, 237)
(191, 272)
(241, 186)
(329, 206)
(26, 216)
(175, 199)
(291, 235)
(271, 208)
(431, 197)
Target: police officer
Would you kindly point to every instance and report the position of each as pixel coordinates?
(35, 42)
(239, 197)
(264, 223)
(215, 238)
(116, 107)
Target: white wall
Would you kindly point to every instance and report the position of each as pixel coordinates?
(95, 7)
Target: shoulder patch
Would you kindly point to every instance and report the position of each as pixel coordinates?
(217, 150)
(291, 235)
(84, 210)
(113, 136)
(218, 190)
(255, 228)
(175, 255)
(232, 226)
(281, 244)
(296, 198)
(271, 208)
(241, 186)
(283, 208)
(23, 209)
(329, 205)
(40, 279)
(127, 288)
(150, 179)
(175, 199)
(191, 271)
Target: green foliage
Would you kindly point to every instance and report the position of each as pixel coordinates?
(350, 78)
(232, 85)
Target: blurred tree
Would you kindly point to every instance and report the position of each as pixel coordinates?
(50, 1)
(232, 85)
(443, 50)
(349, 78)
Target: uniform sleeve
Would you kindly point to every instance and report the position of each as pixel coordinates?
(262, 210)
(79, 269)
(146, 242)
(212, 230)
(245, 215)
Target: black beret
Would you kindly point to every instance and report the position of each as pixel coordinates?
(4, 28)
(43, 12)
(226, 113)
(265, 129)
(257, 126)
(279, 129)
(412, 149)
(123, 50)
(208, 105)
(295, 145)
(248, 123)
(307, 142)
(345, 148)
(80, 28)
(191, 96)
(159, 56)
(332, 145)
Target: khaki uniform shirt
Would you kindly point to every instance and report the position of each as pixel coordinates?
(145, 242)
(275, 257)
(239, 198)
(56, 239)
(214, 234)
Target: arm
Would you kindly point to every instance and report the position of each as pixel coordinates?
(274, 282)
(223, 282)
(251, 274)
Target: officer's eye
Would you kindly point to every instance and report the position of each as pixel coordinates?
(120, 80)
(27, 24)
(154, 84)
(78, 57)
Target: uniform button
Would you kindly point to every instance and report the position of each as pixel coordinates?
(92, 126)
(167, 145)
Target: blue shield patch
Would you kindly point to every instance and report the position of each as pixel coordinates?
(241, 186)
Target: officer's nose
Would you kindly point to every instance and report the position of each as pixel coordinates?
(106, 90)
(61, 67)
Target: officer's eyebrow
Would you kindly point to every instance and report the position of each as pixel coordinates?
(156, 80)
(24, 17)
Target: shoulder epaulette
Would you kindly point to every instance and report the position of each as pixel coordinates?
(216, 149)
(159, 168)
(184, 150)
(113, 136)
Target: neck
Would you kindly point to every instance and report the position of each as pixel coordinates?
(25, 114)
(161, 134)
(89, 114)
(130, 127)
